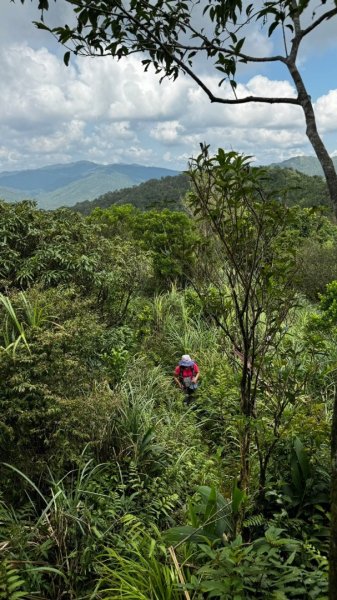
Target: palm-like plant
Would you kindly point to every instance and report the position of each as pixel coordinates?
(133, 424)
(144, 573)
(55, 541)
(13, 332)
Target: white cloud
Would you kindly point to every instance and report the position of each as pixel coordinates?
(34, 88)
(168, 132)
(135, 154)
(263, 144)
(64, 138)
(110, 111)
(257, 43)
(120, 131)
(36, 83)
(243, 115)
(326, 111)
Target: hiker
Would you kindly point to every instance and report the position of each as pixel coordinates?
(186, 375)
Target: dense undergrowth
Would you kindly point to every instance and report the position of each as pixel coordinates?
(113, 487)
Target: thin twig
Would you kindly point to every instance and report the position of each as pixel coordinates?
(179, 571)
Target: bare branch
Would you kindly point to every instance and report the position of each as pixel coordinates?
(325, 17)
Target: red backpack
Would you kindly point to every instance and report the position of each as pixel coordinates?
(187, 380)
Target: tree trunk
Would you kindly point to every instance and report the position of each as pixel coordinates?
(245, 457)
(322, 154)
(247, 413)
(245, 442)
(331, 180)
(333, 526)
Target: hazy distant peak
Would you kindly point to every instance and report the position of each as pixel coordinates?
(305, 164)
(66, 184)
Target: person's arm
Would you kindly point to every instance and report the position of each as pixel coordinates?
(177, 381)
(196, 374)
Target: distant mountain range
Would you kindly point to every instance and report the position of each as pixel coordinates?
(67, 184)
(308, 165)
(84, 181)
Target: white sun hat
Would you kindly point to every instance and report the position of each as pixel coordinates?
(186, 361)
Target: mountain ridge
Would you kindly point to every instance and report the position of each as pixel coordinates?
(69, 184)
(66, 184)
(288, 185)
(309, 165)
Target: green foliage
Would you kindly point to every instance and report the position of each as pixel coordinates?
(43, 391)
(133, 421)
(87, 354)
(328, 305)
(309, 486)
(116, 362)
(317, 268)
(64, 531)
(211, 517)
(145, 573)
(257, 263)
(295, 188)
(11, 583)
(300, 501)
(61, 248)
(300, 468)
(269, 567)
(287, 185)
(13, 332)
(316, 255)
(169, 236)
(247, 291)
(19, 233)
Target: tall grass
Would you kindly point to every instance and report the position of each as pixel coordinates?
(55, 543)
(144, 572)
(181, 328)
(28, 314)
(13, 330)
(133, 423)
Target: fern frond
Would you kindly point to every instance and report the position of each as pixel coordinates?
(255, 521)
(11, 582)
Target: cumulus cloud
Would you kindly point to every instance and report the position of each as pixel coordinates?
(326, 111)
(107, 111)
(264, 145)
(243, 115)
(168, 132)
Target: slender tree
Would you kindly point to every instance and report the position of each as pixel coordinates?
(252, 280)
(172, 35)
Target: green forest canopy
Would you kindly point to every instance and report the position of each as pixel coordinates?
(107, 477)
(292, 186)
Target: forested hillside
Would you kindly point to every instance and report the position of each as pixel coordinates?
(296, 188)
(288, 185)
(116, 480)
(167, 192)
(309, 165)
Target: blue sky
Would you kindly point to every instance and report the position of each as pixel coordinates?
(107, 112)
